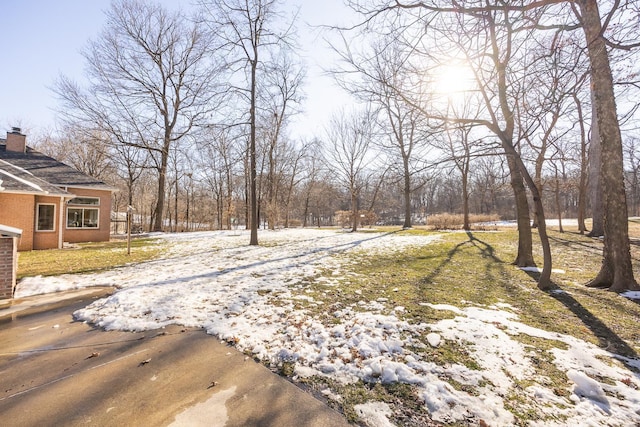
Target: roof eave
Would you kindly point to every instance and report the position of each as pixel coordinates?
(38, 193)
(104, 187)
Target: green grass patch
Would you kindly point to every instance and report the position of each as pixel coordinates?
(474, 269)
(87, 257)
(408, 409)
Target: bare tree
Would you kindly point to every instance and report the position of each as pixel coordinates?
(542, 100)
(151, 79)
(632, 159)
(281, 97)
(459, 145)
(292, 168)
(500, 47)
(584, 164)
(376, 77)
(348, 140)
(616, 272)
(220, 165)
(249, 28)
(490, 41)
(86, 150)
(311, 164)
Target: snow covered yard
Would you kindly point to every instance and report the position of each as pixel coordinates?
(289, 302)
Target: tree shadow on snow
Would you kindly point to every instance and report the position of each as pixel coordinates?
(296, 260)
(607, 338)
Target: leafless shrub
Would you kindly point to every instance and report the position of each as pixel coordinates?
(449, 221)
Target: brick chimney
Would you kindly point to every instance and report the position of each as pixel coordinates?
(16, 141)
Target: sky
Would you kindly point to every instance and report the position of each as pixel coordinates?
(254, 297)
(42, 39)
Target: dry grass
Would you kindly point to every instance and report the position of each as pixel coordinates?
(448, 221)
(86, 257)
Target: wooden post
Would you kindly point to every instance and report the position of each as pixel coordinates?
(129, 214)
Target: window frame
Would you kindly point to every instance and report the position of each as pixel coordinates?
(53, 218)
(83, 208)
(85, 198)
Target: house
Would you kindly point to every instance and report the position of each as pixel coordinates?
(49, 201)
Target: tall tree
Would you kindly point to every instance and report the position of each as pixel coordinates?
(595, 182)
(582, 184)
(376, 77)
(281, 96)
(220, 160)
(616, 272)
(349, 138)
(488, 41)
(249, 28)
(151, 80)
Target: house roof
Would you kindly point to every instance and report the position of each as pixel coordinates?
(7, 231)
(14, 179)
(32, 171)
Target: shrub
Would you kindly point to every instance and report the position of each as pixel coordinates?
(449, 221)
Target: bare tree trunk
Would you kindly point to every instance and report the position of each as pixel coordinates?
(186, 213)
(406, 192)
(524, 258)
(175, 203)
(544, 281)
(558, 205)
(306, 210)
(616, 272)
(582, 186)
(152, 216)
(253, 221)
(354, 211)
(247, 192)
(271, 190)
(538, 181)
(162, 176)
(595, 183)
(465, 196)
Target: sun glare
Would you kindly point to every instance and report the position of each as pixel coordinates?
(453, 80)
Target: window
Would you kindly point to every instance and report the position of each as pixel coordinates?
(79, 216)
(46, 215)
(94, 201)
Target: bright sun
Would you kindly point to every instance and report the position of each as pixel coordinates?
(453, 79)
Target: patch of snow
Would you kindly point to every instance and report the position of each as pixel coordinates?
(374, 414)
(585, 386)
(635, 295)
(445, 307)
(539, 270)
(433, 339)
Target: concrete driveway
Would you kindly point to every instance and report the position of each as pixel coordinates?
(54, 371)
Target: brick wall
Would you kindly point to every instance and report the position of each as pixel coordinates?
(7, 267)
(47, 239)
(18, 210)
(103, 232)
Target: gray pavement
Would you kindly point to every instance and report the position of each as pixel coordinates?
(57, 372)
